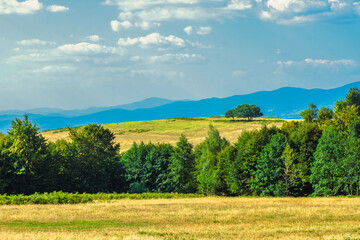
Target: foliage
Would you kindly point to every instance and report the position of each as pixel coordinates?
(319, 157)
(324, 116)
(303, 140)
(326, 170)
(248, 111)
(147, 165)
(182, 167)
(230, 114)
(344, 117)
(95, 160)
(23, 153)
(207, 156)
(244, 111)
(242, 168)
(310, 114)
(268, 176)
(75, 198)
(352, 99)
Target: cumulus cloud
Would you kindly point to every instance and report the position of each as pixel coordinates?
(129, 5)
(144, 25)
(156, 11)
(93, 38)
(280, 11)
(204, 30)
(164, 14)
(20, 7)
(117, 25)
(319, 63)
(67, 52)
(188, 30)
(54, 68)
(179, 58)
(152, 39)
(30, 42)
(304, 11)
(85, 48)
(239, 4)
(57, 8)
(311, 66)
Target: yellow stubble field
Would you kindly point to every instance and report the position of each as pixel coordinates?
(169, 130)
(199, 218)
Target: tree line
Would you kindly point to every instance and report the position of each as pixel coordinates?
(318, 156)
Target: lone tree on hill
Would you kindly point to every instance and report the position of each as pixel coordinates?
(230, 114)
(244, 111)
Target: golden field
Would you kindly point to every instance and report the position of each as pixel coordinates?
(199, 218)
(169, 130)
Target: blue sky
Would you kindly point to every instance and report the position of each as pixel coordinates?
(75, 54)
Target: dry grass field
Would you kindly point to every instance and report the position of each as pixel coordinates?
(169, 130)
(199, 218)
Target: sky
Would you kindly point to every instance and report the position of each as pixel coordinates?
(76, 54)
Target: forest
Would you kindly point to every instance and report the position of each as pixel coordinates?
(319, 156)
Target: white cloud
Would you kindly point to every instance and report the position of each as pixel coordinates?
(164, 10)
(34, 42)
(54, 68)
(319, 63)
(164, 14)
(198, 45)
(85, 48)
(280, 11)
(204, 30)
(117, 26)
(159, 77)
(144, 25)
(239, 4)
(93, 38)
(143, 4)
(152, 39)
(179, 58)
(75, 53)
(238, 73)
(23, 7)
(188, 30)
(57, 8)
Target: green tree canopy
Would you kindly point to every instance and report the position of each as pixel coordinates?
(248, 111)
(95, 156)
(325, 115)
(352, 99)
(24, 149)
(207, 156)
(182, 167)
(326, 171)
(268, 179)
(230, 114)
(310, 114)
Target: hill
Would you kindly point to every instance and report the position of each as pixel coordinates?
(284, 103)
(169, 130)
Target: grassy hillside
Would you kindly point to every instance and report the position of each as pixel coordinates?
(169, 130)
(198, 218)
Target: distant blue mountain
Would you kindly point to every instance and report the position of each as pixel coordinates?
(285, 103)
(146, 103)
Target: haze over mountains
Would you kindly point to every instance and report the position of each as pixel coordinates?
(285, 103)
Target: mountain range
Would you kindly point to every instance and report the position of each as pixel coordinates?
(285, 102)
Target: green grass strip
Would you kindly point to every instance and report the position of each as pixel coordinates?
(75, 198)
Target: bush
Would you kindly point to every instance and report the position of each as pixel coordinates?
(75, 198)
